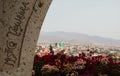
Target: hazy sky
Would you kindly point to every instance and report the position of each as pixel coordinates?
(92, 17)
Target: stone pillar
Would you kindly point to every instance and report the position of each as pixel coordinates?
(20, 24)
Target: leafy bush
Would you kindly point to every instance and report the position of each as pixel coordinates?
(82, 65)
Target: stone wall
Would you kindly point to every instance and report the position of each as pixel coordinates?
(20, 24)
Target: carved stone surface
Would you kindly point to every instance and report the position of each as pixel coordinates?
(20, 24)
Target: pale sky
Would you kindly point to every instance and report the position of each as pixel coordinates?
(92, 17)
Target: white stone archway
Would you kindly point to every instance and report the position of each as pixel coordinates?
(20, 23)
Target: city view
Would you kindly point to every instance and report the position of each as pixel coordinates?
(59, 37)
(89, 53)
(80, 39)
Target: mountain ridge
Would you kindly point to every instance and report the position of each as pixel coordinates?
(73, 36)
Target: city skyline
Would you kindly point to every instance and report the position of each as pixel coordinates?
(92, 17)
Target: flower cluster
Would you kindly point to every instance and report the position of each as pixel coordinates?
(49, 70)
(82, 65)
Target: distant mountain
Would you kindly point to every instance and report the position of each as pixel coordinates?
(75, 37)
